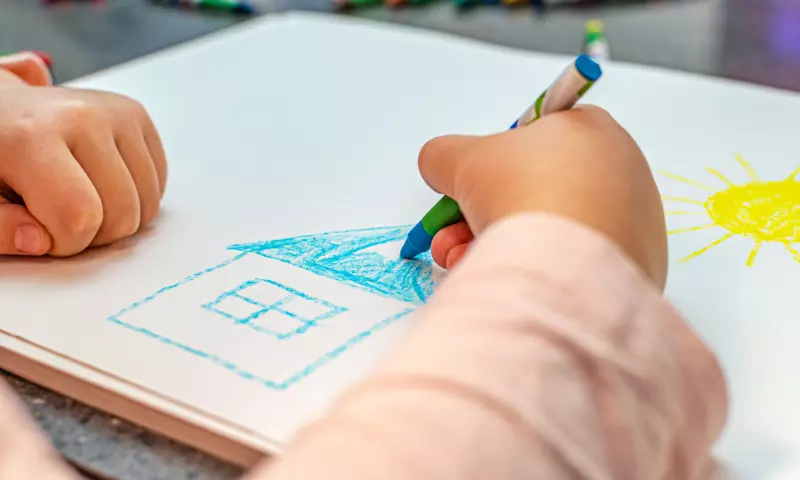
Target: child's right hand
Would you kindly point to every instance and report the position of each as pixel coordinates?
(579, 164)
(78, 168)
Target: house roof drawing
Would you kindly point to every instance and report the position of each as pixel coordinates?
(353, 257)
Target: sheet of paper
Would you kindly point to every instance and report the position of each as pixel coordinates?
(270, 281)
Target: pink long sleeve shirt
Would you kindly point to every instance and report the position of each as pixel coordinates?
(546, 354)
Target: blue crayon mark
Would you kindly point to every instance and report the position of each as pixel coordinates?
(281, 385)
(346, 257)
(277, 307)
(314, 366)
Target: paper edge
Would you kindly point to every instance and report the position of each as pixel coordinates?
(254, 446)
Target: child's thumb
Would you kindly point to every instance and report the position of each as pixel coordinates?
(439, 161)
(20, 232)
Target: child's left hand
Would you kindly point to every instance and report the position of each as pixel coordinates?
(78, 168)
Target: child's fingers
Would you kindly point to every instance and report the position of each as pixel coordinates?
(20, 232)
(56, 192)
(455, 254)
(156, 148)
(96, 151)
(448, 239)
(134, 151)
(28, 67)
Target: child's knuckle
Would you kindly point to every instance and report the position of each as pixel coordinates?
(82, 112)
(137, 108)
(126, 225)
(82, 216)
(592, 118)
(23, 131)
(131, 107)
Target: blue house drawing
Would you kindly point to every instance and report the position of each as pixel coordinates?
(306, 300)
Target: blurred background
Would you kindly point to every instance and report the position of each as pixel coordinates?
(751, 40)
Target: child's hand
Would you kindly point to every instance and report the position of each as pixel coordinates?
(78, 168)
(578, 164)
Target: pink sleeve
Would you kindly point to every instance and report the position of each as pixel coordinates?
(546, 354)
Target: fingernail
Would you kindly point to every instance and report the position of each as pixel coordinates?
(28, 238)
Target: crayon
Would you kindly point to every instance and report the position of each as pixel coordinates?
(400, 3)
(234, 6)
(594, 42)
(562, 94)
(344, 4)
(231, 5)
(471, 3)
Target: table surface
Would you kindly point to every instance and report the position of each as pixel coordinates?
(756, 41)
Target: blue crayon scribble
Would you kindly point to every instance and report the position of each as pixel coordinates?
(283, 313)
(303, 323)
(345, 257)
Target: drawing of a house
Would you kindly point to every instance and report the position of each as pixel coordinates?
(306, 300)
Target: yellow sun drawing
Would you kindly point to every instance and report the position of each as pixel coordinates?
(764, 211)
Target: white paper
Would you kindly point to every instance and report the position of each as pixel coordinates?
(304, 125)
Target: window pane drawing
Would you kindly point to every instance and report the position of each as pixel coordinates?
(269, 307)
(305, 301)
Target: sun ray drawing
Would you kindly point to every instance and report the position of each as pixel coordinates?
(764, 211)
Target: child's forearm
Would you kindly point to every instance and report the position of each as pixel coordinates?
(545, 355)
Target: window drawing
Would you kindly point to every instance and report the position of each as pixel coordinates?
(269, 307)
